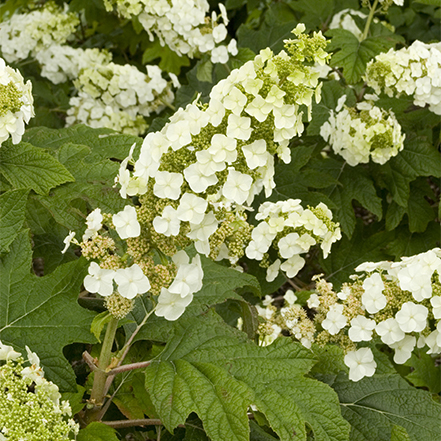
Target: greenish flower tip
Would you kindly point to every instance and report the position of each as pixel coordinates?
(30, 406)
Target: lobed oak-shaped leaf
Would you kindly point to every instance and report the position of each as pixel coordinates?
(42, 312)
(213, 370)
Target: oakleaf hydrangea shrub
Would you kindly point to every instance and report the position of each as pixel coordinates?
(30, 406)
(195, 177)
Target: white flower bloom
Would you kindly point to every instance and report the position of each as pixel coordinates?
(361, 329)
(235, 101)
(373, 299)
(335, 319)
(126, 223)
(223, 148)
(99, 280)
(204, 229)
(292, 265)
(131, 281)
(239, 127)
(288, 246)
(237, 186)
(403, 349)
(256, 154)
(389, 330)
(412, 317)
(171, 306)
(191, 208)
(168, 223)
(70, 238)
(361, 364)
(417, 279)
(197, 179)
(290, 297)
(188, 279)
(168, 185)
(273, 271)
(8, 353)
(259, 108)
(94, 222)
(436, 306)
(313, 301)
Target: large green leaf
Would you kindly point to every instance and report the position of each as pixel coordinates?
(353, 55)
(213, 370)
(375, 405)
(366, 244)
(26, 166)
(42, 312)
(219, 284)
(418, 158)
(12, 216)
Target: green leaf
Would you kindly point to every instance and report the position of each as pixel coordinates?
(374, 405)
(97, 432)
(419, 211)
(408, 244)
(213, 370)
(104, 143)
(170, 60)
(354, 183)
(365, 245)
(12, 216)
(26, 166)
(425, 373)
(267, 36)
(75, 399)
(429, 2)
(98, 323)
(42, 312)
(316, 13)
(205, 71)
(353, 55)
(219, 284)
(418, 158)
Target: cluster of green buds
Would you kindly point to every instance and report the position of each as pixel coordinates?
(30, 406)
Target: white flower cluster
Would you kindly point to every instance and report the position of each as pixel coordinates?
(400, 303)
(130, 281)
(221, 155)
(60, 63)
(118, 97)
(30, 405)
(415, 70)
(290, 317)
(16, 103)
(24, 35)
(182, 25)
(363, 133)
(292, 230)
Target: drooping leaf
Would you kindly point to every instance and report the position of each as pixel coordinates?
(213, 370)
(42, 312)
(26, 166)
(12, 216)
(373, 406)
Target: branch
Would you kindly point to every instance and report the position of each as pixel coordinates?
(128, 367)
